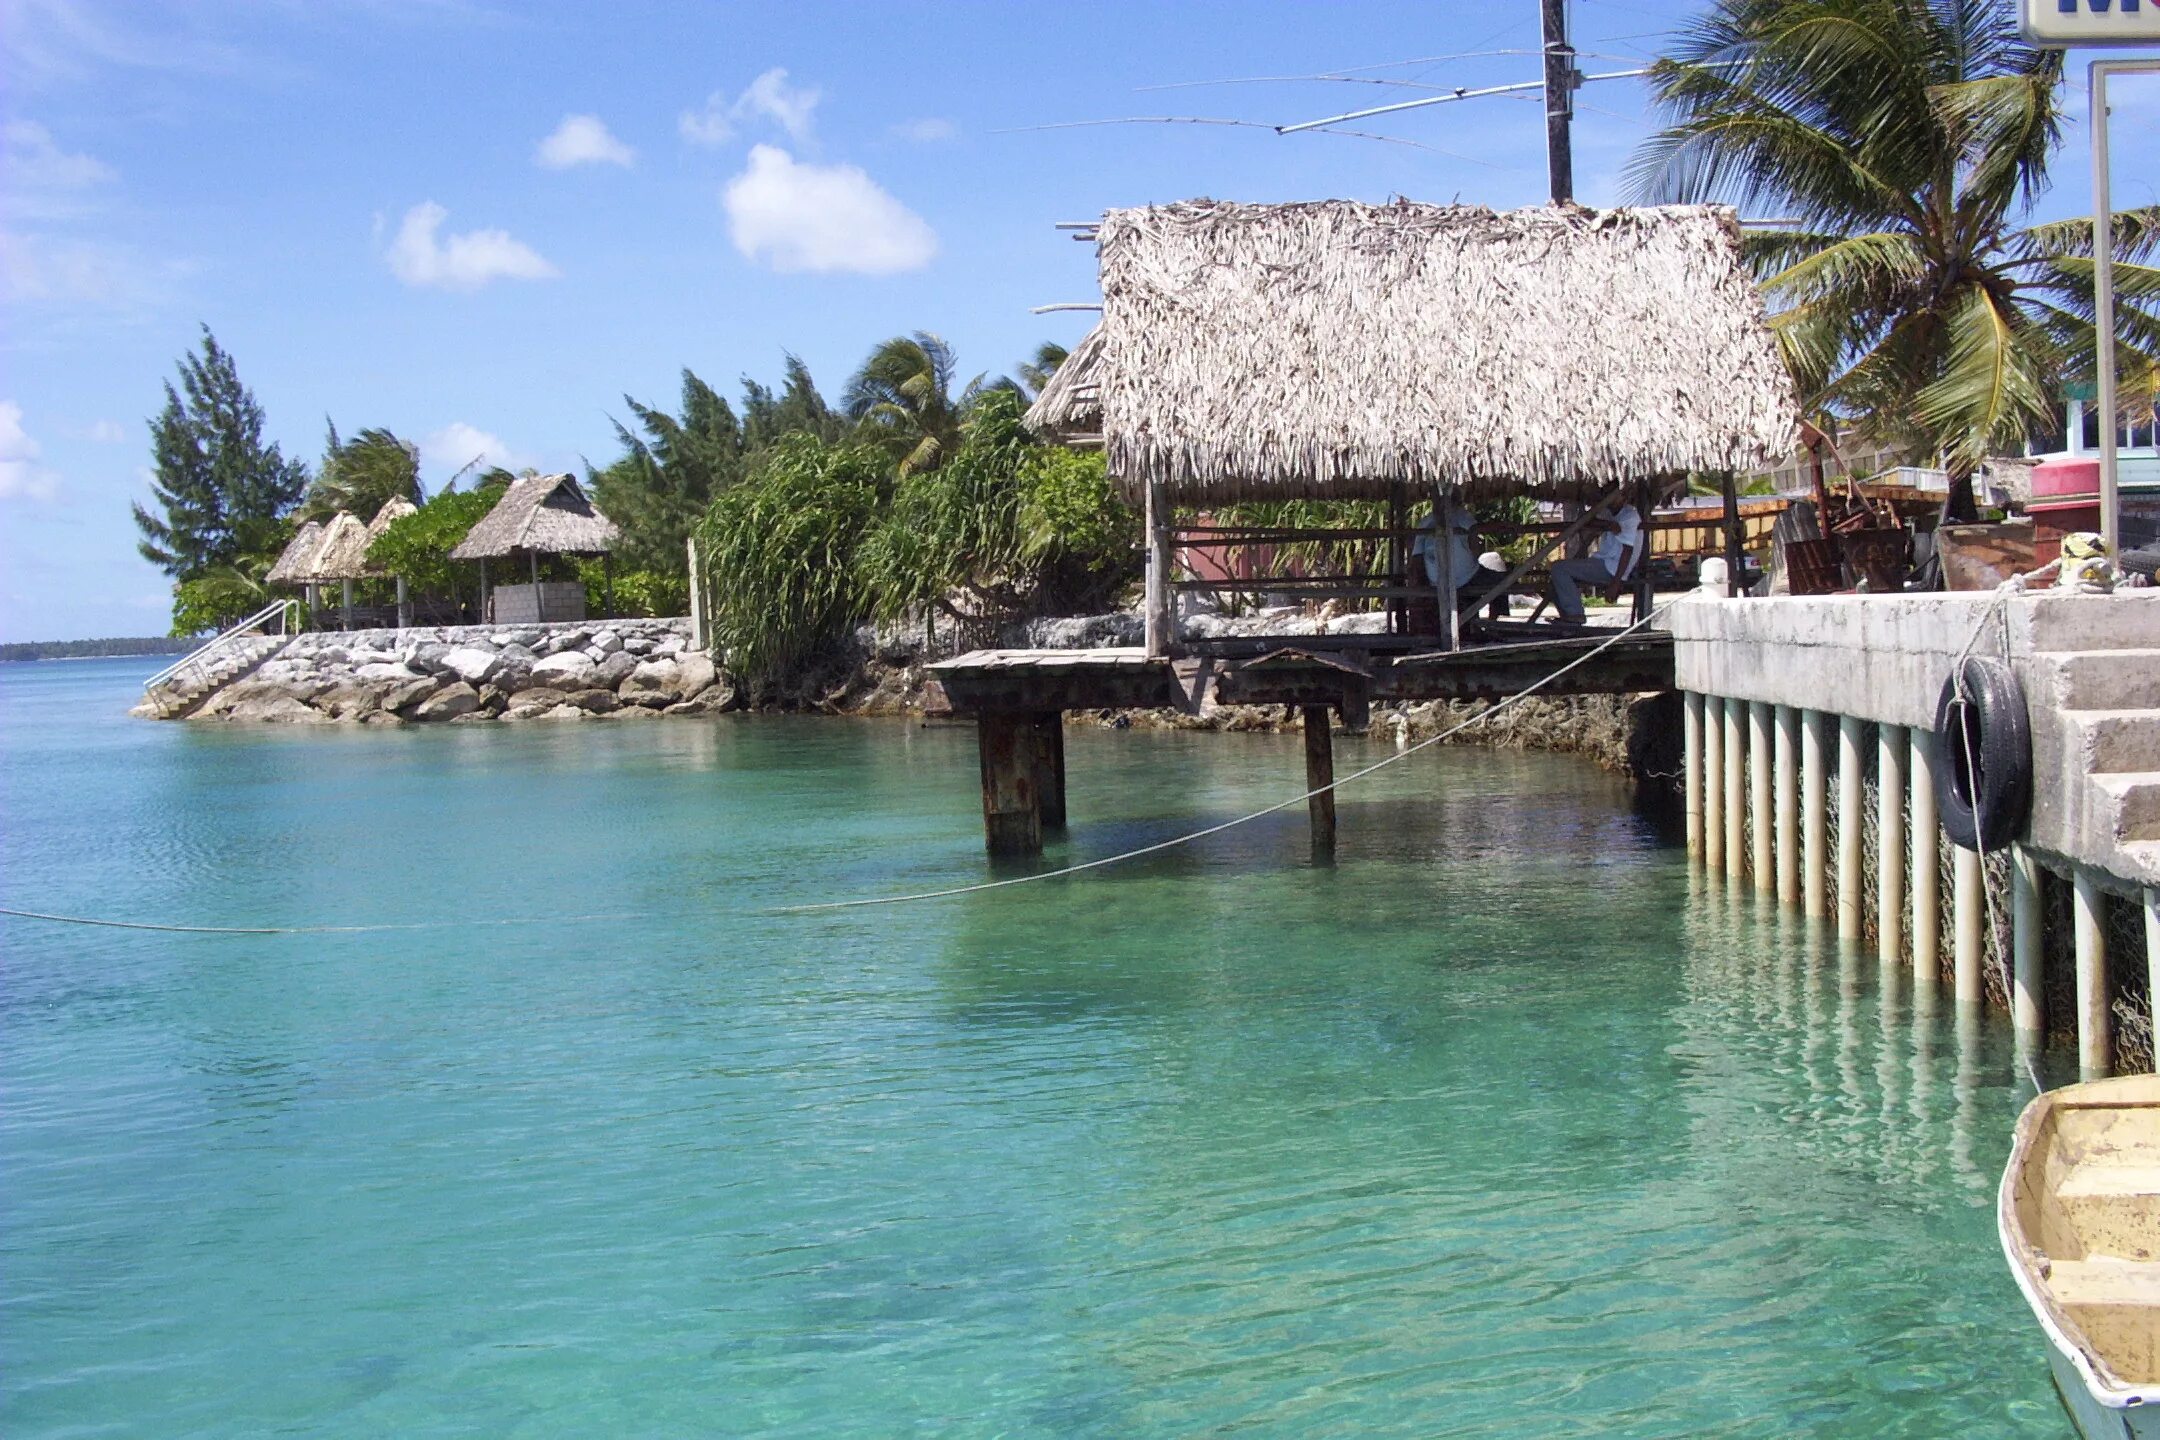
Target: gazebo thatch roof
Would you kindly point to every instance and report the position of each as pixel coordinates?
(1335, 349)
(297, 558)
(342, 552)
(539, 514)
(396, 508)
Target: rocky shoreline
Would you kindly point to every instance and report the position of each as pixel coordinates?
(465, 674)
(637, 669)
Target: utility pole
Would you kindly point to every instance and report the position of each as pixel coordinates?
(1560, 82)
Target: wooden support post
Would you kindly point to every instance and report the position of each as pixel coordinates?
(1713, 732)
(2095, 1021)
(2028, 1006)
(1160, 617)
(1735, 532)
(1786, 781)
(1446, 579)
(1320, 771)
(1049, 738)
(1969, 906)
(1736, 790)
(404, 605)
(1692, 768)
(1814, 805)
(1851, 797)
(1759, 756)
(697, 602)
(1012, 811)
(1398, 607)
(1890, 752)
(345, 605)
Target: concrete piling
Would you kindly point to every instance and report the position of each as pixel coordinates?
(1890, 753)
(1852, 794)
(1759, 747)
(1969, 909)
(1713, 784)
(1736, 789)
(1926, 831)
(1692, 750)
(1786, 804)
(1814, 802)
(2028, 1011)
(2095, 1047)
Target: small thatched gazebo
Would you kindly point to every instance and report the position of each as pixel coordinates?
(1343, 351)
(538, 515)
(296, 560)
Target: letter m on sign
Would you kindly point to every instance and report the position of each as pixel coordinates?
(2098, 7)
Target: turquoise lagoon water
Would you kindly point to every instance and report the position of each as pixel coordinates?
(1496, 1127)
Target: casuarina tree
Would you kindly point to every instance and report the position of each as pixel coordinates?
(218, 490)
(1907, 140)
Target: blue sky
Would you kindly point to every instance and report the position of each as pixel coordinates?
(481, 225)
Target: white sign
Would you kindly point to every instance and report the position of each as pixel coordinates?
(2091, 22)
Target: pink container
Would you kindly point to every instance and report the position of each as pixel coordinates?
(2054, 480)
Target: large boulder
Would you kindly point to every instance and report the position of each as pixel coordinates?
(544, 696)
(595, 701)
(453, 700)
(615, 669)
(697, 672)
(656, 683)
(564, 670)
(277, 709)
(383, 670)
(410, 692)
(473, 664)
(604, 644)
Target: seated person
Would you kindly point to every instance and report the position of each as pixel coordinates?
(1619, 550)
(1473, 576)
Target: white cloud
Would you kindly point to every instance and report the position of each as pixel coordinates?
(797, 216)
(21, 477)
(927, 131)
(769, 97)
(582, 140)
(458, 445)
(43, 181)
(419, 257)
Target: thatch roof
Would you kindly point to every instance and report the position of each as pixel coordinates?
(296, 559)
(342, 555)
(1334, 349)
(545, 514)
(395, 508)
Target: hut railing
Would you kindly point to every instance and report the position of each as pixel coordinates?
(280, 610)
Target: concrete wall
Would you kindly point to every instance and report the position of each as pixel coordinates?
(2087, 662)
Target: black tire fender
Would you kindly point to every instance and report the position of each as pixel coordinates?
(1983, 772)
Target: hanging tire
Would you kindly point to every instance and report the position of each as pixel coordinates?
(1983, 773)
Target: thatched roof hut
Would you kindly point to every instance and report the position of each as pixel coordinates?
(396, 508)
(297, 559)
(539, 515)
(342, 552)
(1337, 350)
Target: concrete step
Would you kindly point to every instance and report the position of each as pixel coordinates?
(2140, 861)
(2134, 796)
(2109, 679)
(2116, 741)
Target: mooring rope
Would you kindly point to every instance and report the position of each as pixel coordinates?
(877, 900)
(1186, 839)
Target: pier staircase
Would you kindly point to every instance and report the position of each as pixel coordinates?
(2109, 703)
(179, 688)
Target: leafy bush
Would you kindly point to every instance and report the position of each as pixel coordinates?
(418, 546)
(780, 552)
(636, 593)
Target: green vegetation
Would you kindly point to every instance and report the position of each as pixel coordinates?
(363, 474)
(90, 649)
(219, 491)
(1908, 142)
(418, 546)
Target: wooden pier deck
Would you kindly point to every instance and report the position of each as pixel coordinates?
(1019, 699)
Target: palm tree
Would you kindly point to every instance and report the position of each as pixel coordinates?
(1036, 373)
(363, 474)
(1907, 140)
(902, 400)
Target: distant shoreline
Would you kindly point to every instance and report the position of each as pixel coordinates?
(117, 647)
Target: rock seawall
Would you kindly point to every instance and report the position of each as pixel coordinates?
(627, 669)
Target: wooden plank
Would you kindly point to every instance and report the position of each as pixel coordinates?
(1012, 810)
(1319, 771)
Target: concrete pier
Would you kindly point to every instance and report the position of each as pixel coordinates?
(1786, 804)
(2095, 1019)
(1970, 916)
(1692, 770)
(2028, 990)
(1736, 790)
(1926, 862)
(1713, 784)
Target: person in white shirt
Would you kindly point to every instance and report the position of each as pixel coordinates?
(1618, 552)
(1472, 576)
